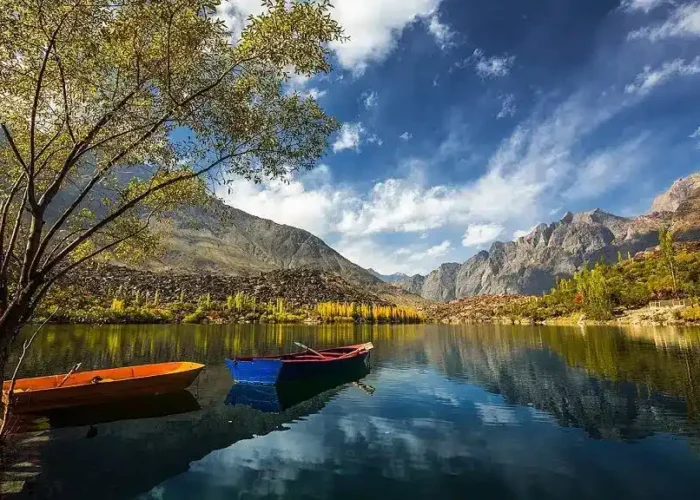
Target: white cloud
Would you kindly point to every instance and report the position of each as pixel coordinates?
(491, 67)
(684, 22)
(434, 251)
(406, 136)
(644, 5)
(370, 99)
(508, 107)
(293, 203)
(444, 36)
(367, 252)
(374, 28)
(480, 234)
(349, 137)
(523, 180)
(606, 170)
(649, 79)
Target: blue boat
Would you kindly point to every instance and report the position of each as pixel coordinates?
(304, 365)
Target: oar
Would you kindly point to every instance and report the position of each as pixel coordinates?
(299, 344)
(71, 372)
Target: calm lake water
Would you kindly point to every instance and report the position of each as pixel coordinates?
(445, 412)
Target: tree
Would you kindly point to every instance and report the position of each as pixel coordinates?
(669, 254)
(593, 288)
(116, 112)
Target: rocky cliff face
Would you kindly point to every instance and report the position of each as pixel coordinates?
(532, 264)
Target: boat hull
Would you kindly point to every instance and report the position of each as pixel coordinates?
(42, 393)
(291, 368)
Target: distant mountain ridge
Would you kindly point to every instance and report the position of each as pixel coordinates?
(532, 264)
(389, 278)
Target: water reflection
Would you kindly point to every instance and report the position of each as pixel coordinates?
(530, 412)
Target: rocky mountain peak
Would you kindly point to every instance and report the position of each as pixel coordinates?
(679, 192)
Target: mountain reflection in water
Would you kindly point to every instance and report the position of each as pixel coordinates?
(526, 412)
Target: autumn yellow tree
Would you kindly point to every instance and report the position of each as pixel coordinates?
(115, 112)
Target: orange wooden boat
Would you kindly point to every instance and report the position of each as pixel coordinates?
(97, 386)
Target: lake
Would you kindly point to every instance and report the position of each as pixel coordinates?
(444, 412)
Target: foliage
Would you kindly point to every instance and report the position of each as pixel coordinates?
(691, 313)
(113, 113)
(337, 311)
(672, 272)
(137, 307)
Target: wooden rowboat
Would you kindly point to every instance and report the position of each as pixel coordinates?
(97, 386)
(308, 364)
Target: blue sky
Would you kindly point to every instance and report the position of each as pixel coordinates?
(466, 122)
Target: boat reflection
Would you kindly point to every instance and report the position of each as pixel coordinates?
(133, 408)
(147, 406)
(279, 398)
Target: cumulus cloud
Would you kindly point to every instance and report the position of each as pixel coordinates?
(684, 22)
(508, 107)
(367, 252)
(374, 28)
(645, 6)
(406, 136)
(292, 203)
(443, 34)
(349, 137)
(491, 67)
(480, 234)
(650, 78)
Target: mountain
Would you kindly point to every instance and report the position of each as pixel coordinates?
(532, 264)
(221, 239)
(389, 278)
